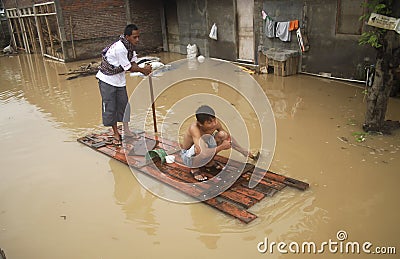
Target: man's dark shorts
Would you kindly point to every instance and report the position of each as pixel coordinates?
(114, 104)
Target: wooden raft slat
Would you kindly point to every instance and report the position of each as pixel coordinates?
(234, 201)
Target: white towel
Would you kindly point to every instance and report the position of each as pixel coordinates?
(282, 31)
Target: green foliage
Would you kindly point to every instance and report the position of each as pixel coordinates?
(372, 38)
(375, 36)
(360, 136)
(377, 6)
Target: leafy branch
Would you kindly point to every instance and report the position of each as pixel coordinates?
(374, 37)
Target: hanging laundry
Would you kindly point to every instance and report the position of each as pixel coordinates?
(282, 31)
(270, 27)
(293, 25)
(300, 40)
(213, 32)
(264, 15)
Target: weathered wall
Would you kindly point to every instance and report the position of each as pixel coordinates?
(98, 23)
(4, 31)
(172, 30)
(280, 11)
(147, 16)
(191, 21)
(93, 19)
(338, 54)
(94, 25)
(223, 14)
(20, 3)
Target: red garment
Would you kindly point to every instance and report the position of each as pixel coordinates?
(293, 25)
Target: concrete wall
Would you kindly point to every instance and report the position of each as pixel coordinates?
(172, 26)
(280, 11)
(190, 23)
(223, 14)
(147, 16)
(331, 52)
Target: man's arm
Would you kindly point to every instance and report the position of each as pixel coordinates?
(240, 149)
(203, 153)
(135, 68)
(234, 143)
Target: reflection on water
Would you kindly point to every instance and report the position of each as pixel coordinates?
(46, 174)
(137, 203)
(40, 84)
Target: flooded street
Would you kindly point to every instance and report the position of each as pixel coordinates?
(60, 199)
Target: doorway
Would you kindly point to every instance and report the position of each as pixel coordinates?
(245, 13)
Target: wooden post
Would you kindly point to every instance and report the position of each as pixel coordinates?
(50, 36)
(12, 34)
(72, 37)
(31, 27)
(24, 35)
(39, 30)
(153, 106)
(40, 33)
(31, 38)
(15, 22)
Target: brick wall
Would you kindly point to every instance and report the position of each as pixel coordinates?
(90, 18)
(94, 24)
(93, 19)
(19, 3)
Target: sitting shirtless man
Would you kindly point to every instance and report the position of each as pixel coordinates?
(203, 140)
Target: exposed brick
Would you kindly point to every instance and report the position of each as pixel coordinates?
(95, 23)
(147, 16)
(93, 19)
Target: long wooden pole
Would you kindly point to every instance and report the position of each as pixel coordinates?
(50, 35)
(72, 37)
(153, 106)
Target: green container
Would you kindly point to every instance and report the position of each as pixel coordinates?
(156, 153)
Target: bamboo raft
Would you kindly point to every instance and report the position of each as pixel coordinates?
(234, 201)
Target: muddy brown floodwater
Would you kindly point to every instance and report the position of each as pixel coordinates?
(59, 199)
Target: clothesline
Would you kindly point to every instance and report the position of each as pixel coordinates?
(281, 30)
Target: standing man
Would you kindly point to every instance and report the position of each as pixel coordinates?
(118, 58)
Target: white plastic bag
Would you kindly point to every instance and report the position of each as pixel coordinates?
(191, 51)
(213, 32)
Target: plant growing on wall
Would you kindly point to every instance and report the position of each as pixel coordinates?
(378, 94)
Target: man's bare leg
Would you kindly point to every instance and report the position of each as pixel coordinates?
(117, 137)
(220, 137)
(127, 132)
(199, 157)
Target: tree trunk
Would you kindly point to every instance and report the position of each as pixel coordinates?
(377, 97)
(378, 93)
